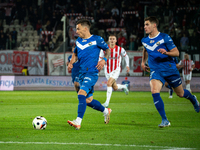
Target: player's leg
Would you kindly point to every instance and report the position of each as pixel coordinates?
(75, 80)
(109, 91)
(170, 90)
(95, 104)
(81, 110)
(156, 86)
(76, 86)
(175, 81)
(86, 82)
(186, 94)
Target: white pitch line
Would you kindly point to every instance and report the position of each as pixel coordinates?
(98, 144)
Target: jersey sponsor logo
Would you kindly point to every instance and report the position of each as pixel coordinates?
(152, 41)
(84, 41)
(82, 47)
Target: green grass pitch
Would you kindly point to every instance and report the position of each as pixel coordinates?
(133, 124)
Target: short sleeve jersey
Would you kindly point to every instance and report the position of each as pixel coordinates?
(88, 51)
(156, 60)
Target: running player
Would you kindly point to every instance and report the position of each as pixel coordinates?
(87, 52)
(113, 66)
(74, 72)
(187, 65)
(160, 49)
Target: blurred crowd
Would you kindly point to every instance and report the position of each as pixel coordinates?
(125, 18)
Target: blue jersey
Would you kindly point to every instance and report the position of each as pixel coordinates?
(88, 51)
(75, 68)
(175, 60)
(156, 60)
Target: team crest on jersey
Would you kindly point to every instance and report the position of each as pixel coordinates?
(152, 41)
(158, 43)
(84, 41)
(90, 43)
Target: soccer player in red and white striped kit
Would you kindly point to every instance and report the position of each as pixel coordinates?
(187, 65)
(113, 66)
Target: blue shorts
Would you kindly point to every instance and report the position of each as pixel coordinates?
(172, 78)
(87, 82)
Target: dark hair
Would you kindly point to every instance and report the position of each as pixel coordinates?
(152, 19)
(84, 22)
(113, 35)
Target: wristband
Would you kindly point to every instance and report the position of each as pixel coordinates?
(105, 59)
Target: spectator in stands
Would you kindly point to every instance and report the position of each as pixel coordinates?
(38, 27)
(132, 43)
(22, 14)
(166, 29)
(191, 30)
(185, 21)
(2, 41)
(8, 11)
(185, 31)
(31, 17)
(194, 42)
(14, 38)
(117, 19)
(72, 22)
(115, 10)
(166, 14)
(184, 42)
(121, 40)
(9, 42)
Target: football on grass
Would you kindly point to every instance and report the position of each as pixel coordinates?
(39, 123)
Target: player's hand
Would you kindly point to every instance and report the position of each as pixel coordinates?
(100, 64)
(70, 66)
(162, 51)
(145, 68)
(128, 69)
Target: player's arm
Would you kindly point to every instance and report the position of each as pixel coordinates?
(173, 52)
(193, 66)
(102, 62)
(144, 59)
(127, 63)
(124, 54)
(72, 61)
(179, 65)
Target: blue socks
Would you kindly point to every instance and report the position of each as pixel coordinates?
(158, 102)
(96, 105)
(189, 96)
(82, 105)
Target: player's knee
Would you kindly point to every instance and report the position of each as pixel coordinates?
(82, 92)
(153, 91)
(180, 94)
(89, 100)
(109, 84)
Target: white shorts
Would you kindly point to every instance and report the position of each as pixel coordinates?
(187, 77)
(114, 74)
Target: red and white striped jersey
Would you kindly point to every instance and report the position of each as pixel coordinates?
(187, 65)
(114, 60)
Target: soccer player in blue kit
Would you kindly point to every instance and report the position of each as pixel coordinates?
(160, 49)
(74, 72)
(87, 52)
